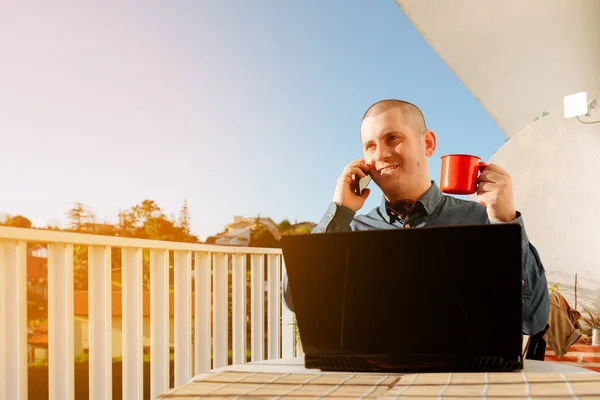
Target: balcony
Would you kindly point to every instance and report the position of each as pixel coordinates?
(209, 286)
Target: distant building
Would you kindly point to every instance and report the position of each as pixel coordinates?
(239, 232)
(39, 251)
(37, 270)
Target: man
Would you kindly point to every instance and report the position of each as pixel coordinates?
(396, 146)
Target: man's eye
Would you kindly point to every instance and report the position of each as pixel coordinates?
(370, 147)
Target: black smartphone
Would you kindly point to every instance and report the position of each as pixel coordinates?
(359, 184)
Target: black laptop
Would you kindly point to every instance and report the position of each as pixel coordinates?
(428, 299)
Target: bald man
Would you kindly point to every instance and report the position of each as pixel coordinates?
(396, 146)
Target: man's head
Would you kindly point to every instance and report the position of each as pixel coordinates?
(396, 145)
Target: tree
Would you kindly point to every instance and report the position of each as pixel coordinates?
(284, 225)
(18, 221)
(146, 210)
(257, 222)
(184, 218)
(127, 224)
(262, 237)
(81, 218)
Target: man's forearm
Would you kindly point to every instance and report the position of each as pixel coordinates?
(536, 301)
(337, 218)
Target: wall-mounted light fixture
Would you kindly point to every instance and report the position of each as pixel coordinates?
(576, 105)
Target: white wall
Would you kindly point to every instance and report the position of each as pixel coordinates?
(555, 167)
(518, 57)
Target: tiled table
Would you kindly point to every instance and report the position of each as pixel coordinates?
(287, 378)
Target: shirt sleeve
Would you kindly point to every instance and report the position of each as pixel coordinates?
(536, 300)
(337, 218)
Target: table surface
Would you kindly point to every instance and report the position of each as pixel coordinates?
(287, 378)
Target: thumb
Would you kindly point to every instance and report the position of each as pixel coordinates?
(365, 193)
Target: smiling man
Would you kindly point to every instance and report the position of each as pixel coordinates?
(396, 146)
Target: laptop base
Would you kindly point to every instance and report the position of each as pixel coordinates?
(410, 363)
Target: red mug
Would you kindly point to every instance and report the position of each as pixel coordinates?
(460, 173)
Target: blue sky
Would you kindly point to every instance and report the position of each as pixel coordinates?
(240, 107)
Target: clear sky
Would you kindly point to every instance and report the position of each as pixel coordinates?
(241, 107)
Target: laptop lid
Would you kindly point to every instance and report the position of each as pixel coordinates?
(427, 292)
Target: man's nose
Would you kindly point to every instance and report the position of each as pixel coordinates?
(382, 153)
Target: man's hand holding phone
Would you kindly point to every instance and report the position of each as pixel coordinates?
(355, 176)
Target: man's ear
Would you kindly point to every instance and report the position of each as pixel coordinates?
(429, 142)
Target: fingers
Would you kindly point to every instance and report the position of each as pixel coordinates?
(360, 164)
(490, 176)
(495, 168)
(365, 193)
(494, 173)
(485, 187)
(354, 170)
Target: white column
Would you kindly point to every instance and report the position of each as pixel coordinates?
(273, 303)
(257, 304)
(220, 312)
(159, 322)
(202, 268)
(183, 317)
(13, 319)
(60, 322)
(239, 309)
(100, 329)
(133, 334)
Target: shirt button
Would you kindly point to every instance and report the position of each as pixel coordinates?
(330, 215)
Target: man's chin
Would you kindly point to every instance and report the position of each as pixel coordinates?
(387, 182)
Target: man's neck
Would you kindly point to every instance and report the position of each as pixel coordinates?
(413, 193)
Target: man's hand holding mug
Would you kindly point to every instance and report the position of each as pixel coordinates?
(493, 186)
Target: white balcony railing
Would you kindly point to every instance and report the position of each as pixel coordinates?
(192, 262)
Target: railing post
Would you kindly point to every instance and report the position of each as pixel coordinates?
(273, 302)
(133, 336)
(159, 322)
(60, 322)
(183, 317)
(100, 312)
(257, 303)
(13, 320)
(220, 312)
(239, 309)
(202, 268)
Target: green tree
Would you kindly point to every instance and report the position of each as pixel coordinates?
(262, 237)
(284, 225)
(18, 221)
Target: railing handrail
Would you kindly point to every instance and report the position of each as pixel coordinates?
(87, 239)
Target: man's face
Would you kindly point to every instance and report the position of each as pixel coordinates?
(396, 153)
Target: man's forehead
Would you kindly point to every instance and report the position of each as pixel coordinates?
(382, 124)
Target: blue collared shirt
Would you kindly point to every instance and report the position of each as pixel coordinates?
(437, 209)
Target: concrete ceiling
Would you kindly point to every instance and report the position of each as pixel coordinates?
(519, 58)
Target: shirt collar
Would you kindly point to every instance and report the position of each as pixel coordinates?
(429, 200)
